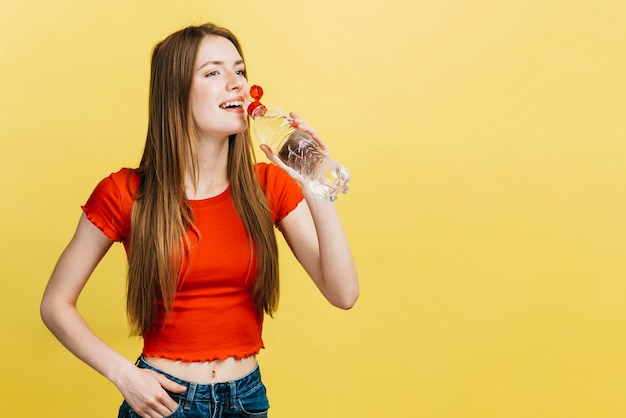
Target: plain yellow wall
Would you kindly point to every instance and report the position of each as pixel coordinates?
(487, 210)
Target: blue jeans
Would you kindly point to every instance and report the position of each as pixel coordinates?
(244, 397)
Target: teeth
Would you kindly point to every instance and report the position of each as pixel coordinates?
(234, 103)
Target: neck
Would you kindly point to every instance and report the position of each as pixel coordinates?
(212, 171)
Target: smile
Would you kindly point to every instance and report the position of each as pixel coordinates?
(232, 104)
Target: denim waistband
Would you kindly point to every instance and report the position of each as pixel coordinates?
(215, 392)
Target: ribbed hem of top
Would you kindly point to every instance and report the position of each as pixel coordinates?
(192, 359)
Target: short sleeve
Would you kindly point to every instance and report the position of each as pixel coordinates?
(283, 193)
(109, 206)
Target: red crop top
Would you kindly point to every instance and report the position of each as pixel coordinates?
(212, 317)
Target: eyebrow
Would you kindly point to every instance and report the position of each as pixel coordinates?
(238, 62)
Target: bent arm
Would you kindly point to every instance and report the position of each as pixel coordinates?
(316, 237)
(143, 389)
(314, 233)
(58, 306)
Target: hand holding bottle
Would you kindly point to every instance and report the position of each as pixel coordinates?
(299, 147)
(300, 125)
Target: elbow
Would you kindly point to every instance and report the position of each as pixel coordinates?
(347, 295)
(45, 312)
(346, 301)
(346, 306)
(49, 311)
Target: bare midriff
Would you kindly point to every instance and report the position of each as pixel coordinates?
(205, 372)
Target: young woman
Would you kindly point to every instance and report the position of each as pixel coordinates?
(196, 219)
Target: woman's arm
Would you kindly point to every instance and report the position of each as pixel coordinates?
(141, 388)
(314, 233)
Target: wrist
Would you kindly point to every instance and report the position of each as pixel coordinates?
(119, 371)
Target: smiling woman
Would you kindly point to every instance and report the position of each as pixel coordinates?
(197, 219)
(218, 89)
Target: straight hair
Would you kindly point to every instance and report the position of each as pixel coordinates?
(162, 215)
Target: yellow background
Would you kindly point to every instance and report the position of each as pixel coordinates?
(487, 210)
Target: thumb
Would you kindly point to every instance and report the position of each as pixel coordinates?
(268, 152)
(273, 157)
(170, 385)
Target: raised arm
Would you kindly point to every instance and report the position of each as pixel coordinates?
(314, 233)
(59, 313)
(316, 237)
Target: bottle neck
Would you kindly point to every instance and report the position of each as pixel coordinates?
(256, 109)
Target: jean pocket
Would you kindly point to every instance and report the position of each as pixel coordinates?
(254, 403)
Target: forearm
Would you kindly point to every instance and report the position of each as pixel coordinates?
(315, 235)
(144, 390)
(69, 327)
(58, 305)
(338, 278)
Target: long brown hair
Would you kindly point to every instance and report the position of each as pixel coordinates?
(162, 214)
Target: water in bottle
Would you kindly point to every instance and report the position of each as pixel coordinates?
(297, 149)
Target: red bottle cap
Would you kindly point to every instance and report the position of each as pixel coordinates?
(256, 92)
(252, 107)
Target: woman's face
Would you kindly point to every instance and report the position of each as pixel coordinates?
(219, 89)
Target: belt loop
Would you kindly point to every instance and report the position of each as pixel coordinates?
(191, 393)
(233, 394)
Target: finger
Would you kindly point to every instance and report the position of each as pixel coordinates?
(164, 404)
(270, 155)
(301, 124)
(157, 407)
(267, 150)
(164, 410)
(170, 385)
(274, 158)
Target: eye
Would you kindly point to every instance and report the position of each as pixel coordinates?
(211, 73)
(241, 72)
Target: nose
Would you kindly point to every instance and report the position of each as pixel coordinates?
(235, 82)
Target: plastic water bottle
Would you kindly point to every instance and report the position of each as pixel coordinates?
(297, 149)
